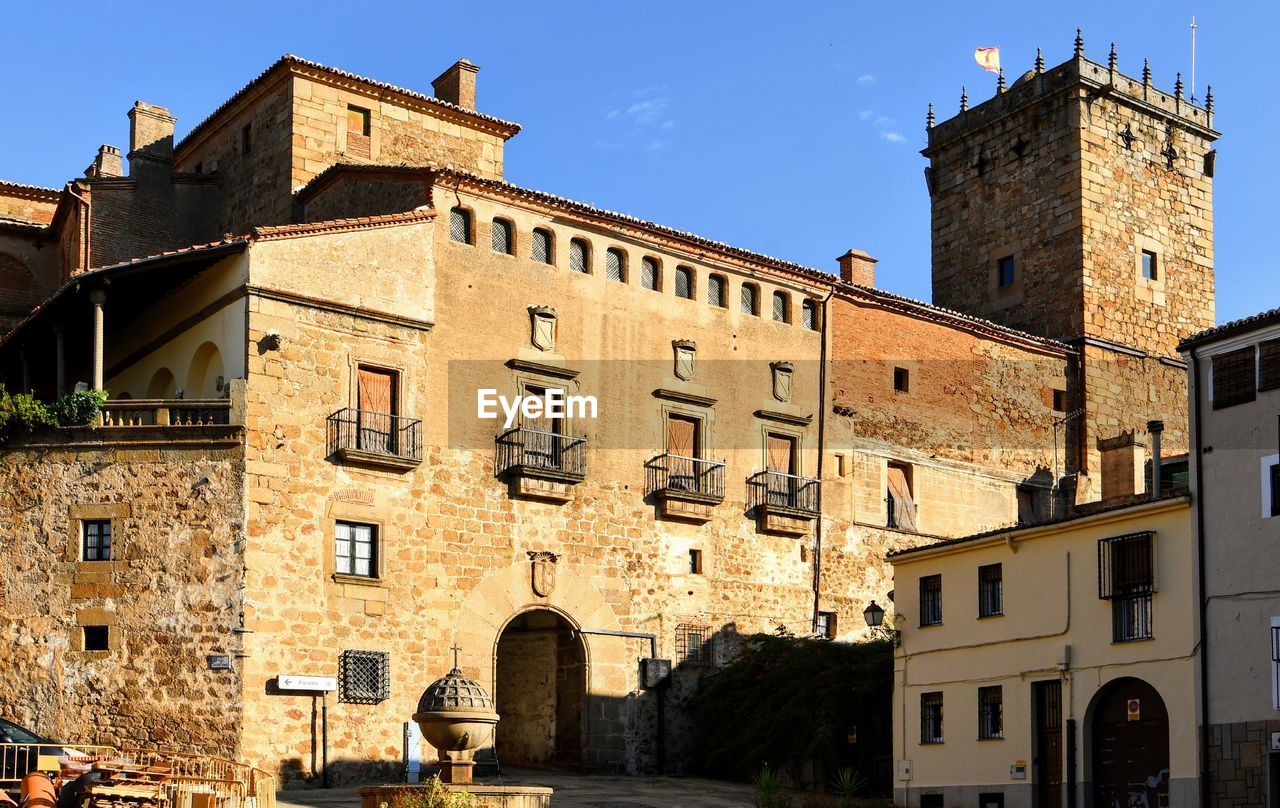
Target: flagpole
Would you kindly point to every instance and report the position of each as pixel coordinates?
(1193, 58)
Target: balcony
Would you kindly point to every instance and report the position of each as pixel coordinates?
(539, 464)
(377, 439)
(162, 412)
(685, 487)
(783, 503)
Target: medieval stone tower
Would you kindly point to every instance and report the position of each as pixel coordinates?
(1078, 204)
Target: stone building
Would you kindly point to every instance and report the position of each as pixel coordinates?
(298, 310)
(1235, 407)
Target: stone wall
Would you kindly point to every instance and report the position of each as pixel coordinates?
(170, 596)
(1240, 763)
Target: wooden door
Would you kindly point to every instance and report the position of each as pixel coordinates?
(376, 403)
(682, 447)
(1130, 746)
(1047, 700)
(780, 459)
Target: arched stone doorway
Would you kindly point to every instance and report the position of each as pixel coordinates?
(1129, 734)
(540, 685)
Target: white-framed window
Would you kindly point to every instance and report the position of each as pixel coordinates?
(1271, 486)
(356, 549)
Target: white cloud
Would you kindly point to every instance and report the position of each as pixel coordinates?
(893, 137)
(865, 79)
(648, 112)
(866, 115)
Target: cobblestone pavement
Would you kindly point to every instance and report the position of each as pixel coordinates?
(576, 791)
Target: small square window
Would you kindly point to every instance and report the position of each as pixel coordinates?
(826, 626)
(97, 638)
(358, 121)
(691, 644)
(902, 380)
(364, 677)
(695, 562)
(1060, 400)
(1006, 272)
(1150, 270)
(95, 540)
(356, 549)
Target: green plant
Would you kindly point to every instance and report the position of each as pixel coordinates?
(21, 412)
(431, 794)
(79, 408)
(768, 788)
(846, 784)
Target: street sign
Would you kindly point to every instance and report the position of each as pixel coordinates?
(321, 684)
(219, 662)
(1133, 709)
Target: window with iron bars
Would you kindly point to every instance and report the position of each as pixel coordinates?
(990, 713)
(1126, 577)
(692, 645)
(502, 236)
(930, 718)
(990, 590)
(931, 600)
(809, 314)
(460, 225)
(364, 677)
(684, 282)
(649, 273)
(614, 265)
(540, 248)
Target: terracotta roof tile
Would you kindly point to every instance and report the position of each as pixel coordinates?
(290, 59)
(1234, 327)
(337, 225)
(48, 194)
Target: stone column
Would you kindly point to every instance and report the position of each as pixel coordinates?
(60, 364)
(97, 297)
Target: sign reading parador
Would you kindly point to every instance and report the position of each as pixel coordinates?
(323, 684)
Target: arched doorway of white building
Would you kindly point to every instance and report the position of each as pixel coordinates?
(1129, 740)
(540, 685)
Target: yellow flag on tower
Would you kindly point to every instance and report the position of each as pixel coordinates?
(988, 58)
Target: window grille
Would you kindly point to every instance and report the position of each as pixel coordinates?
(990, 590)
(691, 644)
(460, 225)
(96, 540)
(1234, 378)
(780, 312)
(355, 546)
(578, 256)
(649, 273)
(715, 291)
(541, 246)
(1126, 566)
(613, 264)
(364, 677)
(809, 315)
(931, 600)
(990, 713)
(502, 238)
(930, 718)
(1269, 365)
(1131, 618)
(684, 283)
(750, 305)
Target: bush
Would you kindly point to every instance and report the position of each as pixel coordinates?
(788, 701)
(80, 408)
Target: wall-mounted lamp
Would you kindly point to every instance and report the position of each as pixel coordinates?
(874, 615)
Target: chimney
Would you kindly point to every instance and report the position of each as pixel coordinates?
(150, 134)
(1155, 428)
(1124, 460)
(457, 85)
(108, 163)
(858, 267)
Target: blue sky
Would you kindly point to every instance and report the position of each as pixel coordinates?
(785, 128)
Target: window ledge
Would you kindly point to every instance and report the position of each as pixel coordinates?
(989, 616)
(1135, 639)
(360, 457)
(358, 580)
(984, 740)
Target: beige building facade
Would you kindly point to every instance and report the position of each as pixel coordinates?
(1235, 410)
(760, 435)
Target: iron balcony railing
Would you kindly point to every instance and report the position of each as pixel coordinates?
(784, 492)
(535, 453)
(166, 412)
(375, 433)
(685, 477)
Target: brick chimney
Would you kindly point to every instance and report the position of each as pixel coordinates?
(457, 85)
(108, 163)
(858, 267)
(150, 134)
(1124, 466)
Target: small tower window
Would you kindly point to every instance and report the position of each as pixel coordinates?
(684, 283)
(614, 265)
(649, 273)
(695, 562)
(1060, 400)
(97, 638)
(1150, 270)
(781, 307)
(541, 250)
(1006, 271)
(460, 225)
(750, 300)
(579, 256)
(715, 290)
(246, 138)
(358, 129)
(902, 380)
(502, 237)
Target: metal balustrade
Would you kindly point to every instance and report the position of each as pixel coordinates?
(536, 453)
(784, 492)
(679, 477)
(375, 433)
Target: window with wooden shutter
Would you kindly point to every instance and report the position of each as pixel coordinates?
(376, 404)
(683, 439)
(1269, 365)
(578, 256)
(649, 273)
(358, 131)
(1234, 378)
(901, 504)
(781, 454)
